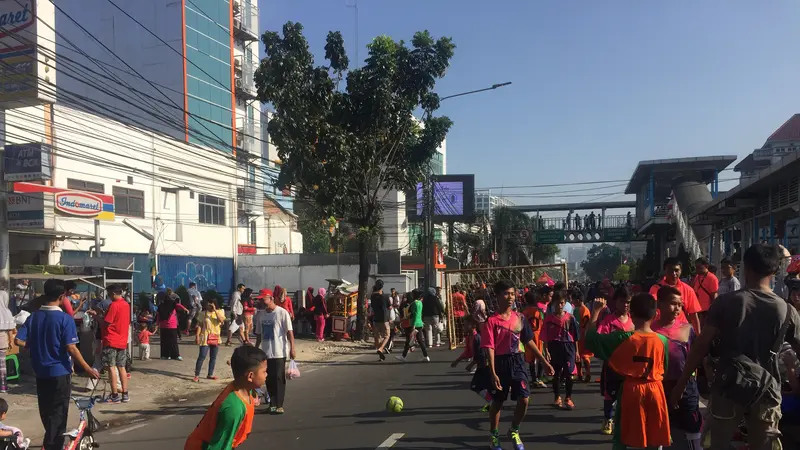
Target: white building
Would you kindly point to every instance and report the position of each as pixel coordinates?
(485, 202)
(155, 107)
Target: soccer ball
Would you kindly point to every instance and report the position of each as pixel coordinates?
(394, 405)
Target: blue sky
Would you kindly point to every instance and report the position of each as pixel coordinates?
(597, 86)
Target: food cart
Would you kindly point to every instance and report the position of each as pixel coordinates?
(342, 303)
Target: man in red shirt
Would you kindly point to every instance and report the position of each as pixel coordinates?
(116, 327)
(705, 285)
(672, 277)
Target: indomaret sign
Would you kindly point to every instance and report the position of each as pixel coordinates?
(74, 203)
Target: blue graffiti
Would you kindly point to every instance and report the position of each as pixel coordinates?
(202, 274)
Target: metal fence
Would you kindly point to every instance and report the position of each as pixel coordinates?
(474, 280)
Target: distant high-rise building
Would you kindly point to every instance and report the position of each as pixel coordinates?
(485, 202)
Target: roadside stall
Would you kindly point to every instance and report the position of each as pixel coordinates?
(342, 303)
(90, 285)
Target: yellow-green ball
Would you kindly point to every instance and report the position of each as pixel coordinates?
(394, 405)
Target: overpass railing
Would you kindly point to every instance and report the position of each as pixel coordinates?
(583, 223)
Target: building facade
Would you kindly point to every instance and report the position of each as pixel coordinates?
(485, 202)
(155, 121)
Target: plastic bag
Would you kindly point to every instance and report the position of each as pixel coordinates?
(293, 371)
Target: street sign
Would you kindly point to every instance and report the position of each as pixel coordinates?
(550, 236)
(617, 234)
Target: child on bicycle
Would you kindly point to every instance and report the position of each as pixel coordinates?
(11, 434)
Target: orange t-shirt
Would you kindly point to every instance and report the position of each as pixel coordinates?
(535, 318)
(690, 303)
(204, 433)
(583, 316)
(706, 288)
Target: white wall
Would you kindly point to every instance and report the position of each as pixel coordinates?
(285, 270)
(394, 222)
(96, 149)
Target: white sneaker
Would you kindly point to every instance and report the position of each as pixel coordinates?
(426, 359)
(26, 443)
(400, 358)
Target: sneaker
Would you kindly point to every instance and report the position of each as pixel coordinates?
(126, 397)
(608, 427)
(273, 409)
(113, 398)
(540, 384)
(426, 359)
(400, 358)
(514, 436)
(568, 404)
(279, 411)
(558, 403)
(486, 408)
(381, 356)
(26, 443)
(179, 358)
(494, 442)
(3, 389)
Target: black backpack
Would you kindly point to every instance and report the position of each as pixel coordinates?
(746, 382)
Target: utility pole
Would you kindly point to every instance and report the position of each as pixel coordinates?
(5, 250)
(427, 227)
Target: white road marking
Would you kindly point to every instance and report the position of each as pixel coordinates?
(170, 416)
(390, 441)
(125, 430)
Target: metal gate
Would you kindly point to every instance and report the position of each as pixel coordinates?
(479, 282)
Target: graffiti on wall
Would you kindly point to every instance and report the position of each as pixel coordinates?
(202, 274)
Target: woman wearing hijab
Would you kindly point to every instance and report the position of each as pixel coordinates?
(320, 314)
(168, 325)
(283, 301)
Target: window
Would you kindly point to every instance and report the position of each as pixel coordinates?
(129, 202)
(212, 210)
(86, 186)
(253, 233)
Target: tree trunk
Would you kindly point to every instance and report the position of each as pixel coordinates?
(363, 286)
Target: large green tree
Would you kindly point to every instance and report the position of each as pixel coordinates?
(315, 230)
(602, 261)
(346, 136)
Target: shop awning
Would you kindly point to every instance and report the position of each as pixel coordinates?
(51, 234)
(88, 279)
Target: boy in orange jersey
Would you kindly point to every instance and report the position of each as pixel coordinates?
(640, 357)
(228, 421)
(583, 315)
(534, 315)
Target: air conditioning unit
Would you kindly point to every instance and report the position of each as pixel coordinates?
(239, 83)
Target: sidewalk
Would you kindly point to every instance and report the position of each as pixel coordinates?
(154, 384)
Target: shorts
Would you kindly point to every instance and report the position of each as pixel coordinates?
(114, 357)
(481, 380)
(381, 330)
(687, 416)
(610, 383)
(562, 356)
(514, 375)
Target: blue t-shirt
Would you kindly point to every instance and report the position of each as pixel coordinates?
(46, 333)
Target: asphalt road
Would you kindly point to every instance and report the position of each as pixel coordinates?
(341, 406)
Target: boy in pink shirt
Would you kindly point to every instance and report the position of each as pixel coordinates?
(504, 338)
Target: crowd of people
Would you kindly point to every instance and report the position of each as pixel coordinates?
(663, 345)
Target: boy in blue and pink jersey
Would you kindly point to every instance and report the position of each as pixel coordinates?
(560, 334)
(505, 337)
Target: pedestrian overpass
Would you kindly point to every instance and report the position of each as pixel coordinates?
(576, 228)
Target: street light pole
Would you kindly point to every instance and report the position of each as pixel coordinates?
(429, 203)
